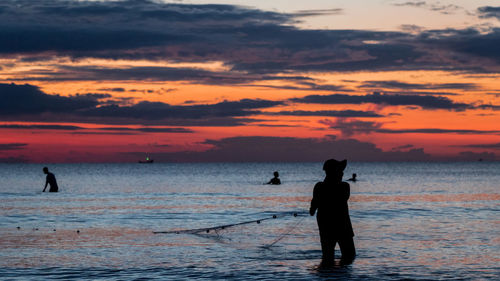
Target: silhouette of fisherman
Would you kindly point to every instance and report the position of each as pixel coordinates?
(276, 179)
(51, 179)
(353, 179)
(330, 200)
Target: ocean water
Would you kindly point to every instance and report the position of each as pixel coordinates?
(413, 221)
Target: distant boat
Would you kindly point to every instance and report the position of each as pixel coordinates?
(147, 161)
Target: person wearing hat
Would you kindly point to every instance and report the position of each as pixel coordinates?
(330, 203)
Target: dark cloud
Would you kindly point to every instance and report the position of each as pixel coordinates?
(90, 26)
(77, 128)
(393, 84)
(425, 102)
(411, 28)
(149, 130)
(112, 89)
(12, 146)
(429, 93)
(313, 13)
(306, 86)
(484, 145)
(19, 102)
(439, 131)
(276, 125)
(489, 12)
(245, 39)
(469, 42)
(437, 7)
(330, 113)
(75, 40)
(203, 122)
(144, 91)
(105, 133)
(406, 146)
(411, 4)
(489, 106)
(288, 149)
(28, 99)
(351, 126)
(29, 103)
(159, 110)
(156, 73)
(42, 127)
(162, 145)
(323, 87)
(475, 156)
(120, 121)
(445, 9)
(20, 159)
(312, 54)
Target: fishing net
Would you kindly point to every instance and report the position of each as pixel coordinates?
(265, 232)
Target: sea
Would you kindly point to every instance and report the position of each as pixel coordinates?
(412, 221)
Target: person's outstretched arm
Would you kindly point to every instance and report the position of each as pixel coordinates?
(314, 201)
(46, 183)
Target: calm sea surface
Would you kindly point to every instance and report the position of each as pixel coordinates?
(421, 221)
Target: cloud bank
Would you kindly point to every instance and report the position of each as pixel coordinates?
(277, 149)
(244, 39)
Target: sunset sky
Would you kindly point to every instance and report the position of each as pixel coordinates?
(281, 80)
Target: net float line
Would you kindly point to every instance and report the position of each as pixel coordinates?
(219, 227)
(284, 234)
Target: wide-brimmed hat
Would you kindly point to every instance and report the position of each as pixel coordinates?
(334, 165)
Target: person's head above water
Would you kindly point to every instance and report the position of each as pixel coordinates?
(276, 174)
(334, 168)
(45, 170)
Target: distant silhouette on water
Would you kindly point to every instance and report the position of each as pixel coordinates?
(330, 200)
(276, 179)
(353, 179)
(51, 179)
(147, 161)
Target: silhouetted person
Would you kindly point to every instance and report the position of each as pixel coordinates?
(276, 179)
(353, 178)
(330, 200)
(51, 179)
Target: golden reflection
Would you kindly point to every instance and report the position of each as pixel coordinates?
(464, 197)
(87, 237)
(210, 203)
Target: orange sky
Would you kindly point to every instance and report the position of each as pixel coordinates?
(429, 94)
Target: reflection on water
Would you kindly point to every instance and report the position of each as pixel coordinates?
(422, 221)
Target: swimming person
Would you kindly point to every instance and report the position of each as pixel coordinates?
(353, 179)
(51, 179)
(276, 179)
(330, 200)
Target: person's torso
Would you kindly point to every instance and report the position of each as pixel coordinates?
(332, 198)
(51, 179)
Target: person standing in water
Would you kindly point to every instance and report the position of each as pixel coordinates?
(330, 201)
(276, 179)
(51, 179)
